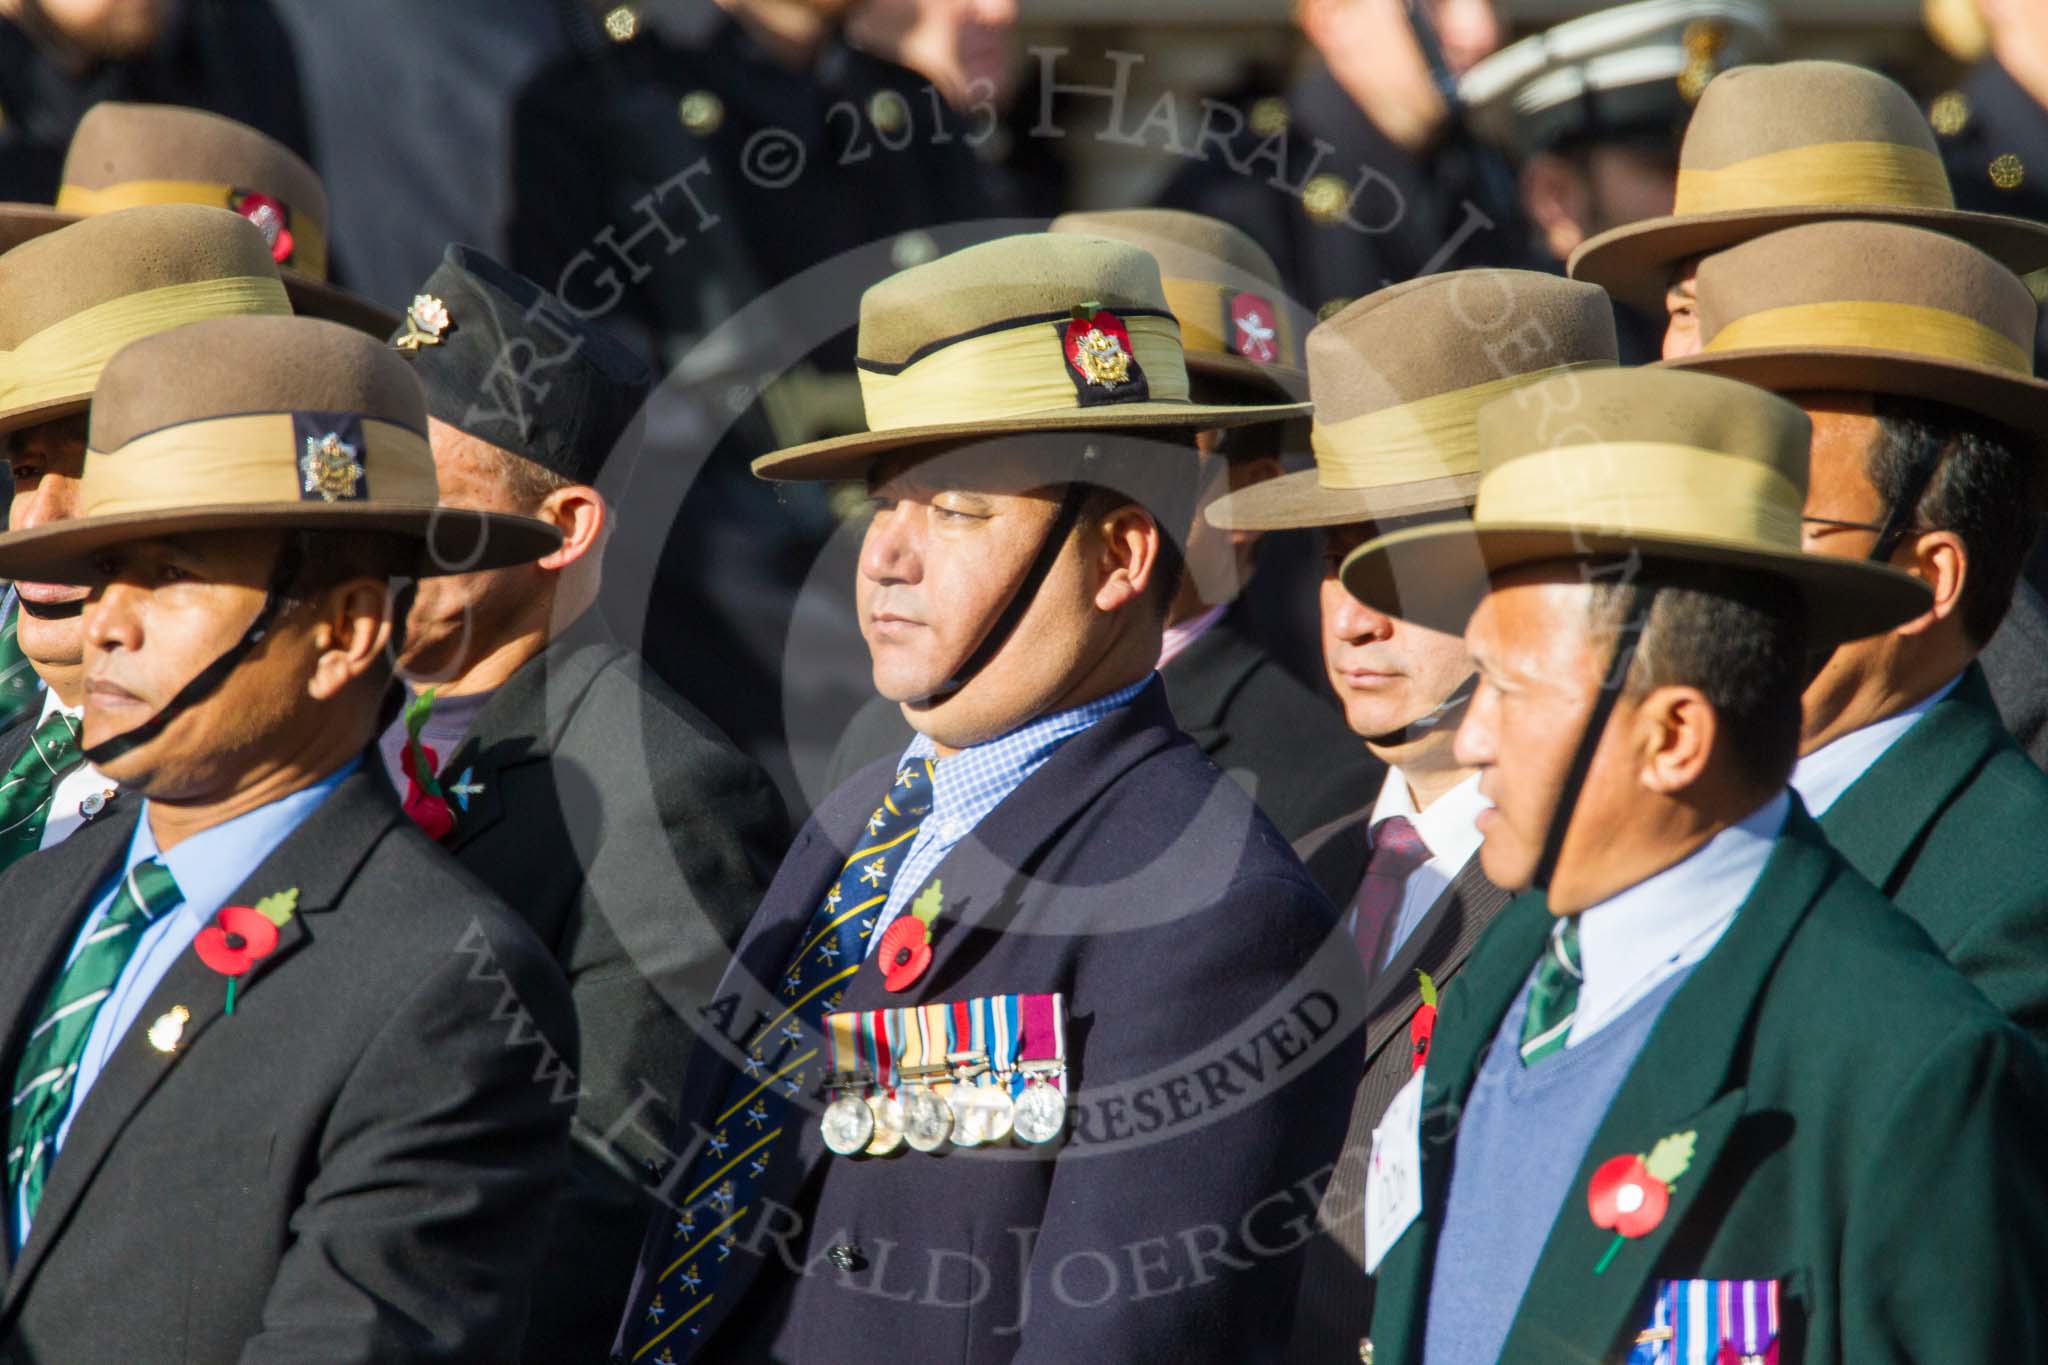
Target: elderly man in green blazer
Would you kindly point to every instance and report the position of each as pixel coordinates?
(1705, 1096)
(1912, 352)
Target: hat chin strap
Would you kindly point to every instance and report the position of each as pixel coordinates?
(1446, 712)
(1026, 592)
(1640, 600)
(209, 678)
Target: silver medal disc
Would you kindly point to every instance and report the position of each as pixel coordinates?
(888, 1115)
(927, 1120)
(981, 1115)
(1041, 1113)
(848, 1125)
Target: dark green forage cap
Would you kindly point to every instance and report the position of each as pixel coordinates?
(504, 361)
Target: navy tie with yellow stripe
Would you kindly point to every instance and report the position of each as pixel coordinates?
(757, 1117)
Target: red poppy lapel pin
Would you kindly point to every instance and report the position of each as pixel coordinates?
(1631, 1193)
(243, 935)
(1422, 1026)
(907, 944)
(425, 799)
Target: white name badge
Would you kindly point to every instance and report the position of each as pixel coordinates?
(1393, 1178)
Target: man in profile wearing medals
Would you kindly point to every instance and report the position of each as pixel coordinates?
(1079, 1026)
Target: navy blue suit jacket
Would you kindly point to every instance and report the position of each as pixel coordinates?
(1214, 1043)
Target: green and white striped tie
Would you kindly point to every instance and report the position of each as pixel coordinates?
(49, 1062)
(31, 781)
(20, 689)
(1553, 995)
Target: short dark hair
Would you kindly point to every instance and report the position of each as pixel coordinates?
(1979, 483)
(528, 483)
(1739, 637)
(327, 559)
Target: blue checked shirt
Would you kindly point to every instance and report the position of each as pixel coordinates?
(973, 782)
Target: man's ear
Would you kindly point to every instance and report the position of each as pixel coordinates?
(1942, 561)
(1128, 546)
(1675, 730)
(579, 513)
(352, 633)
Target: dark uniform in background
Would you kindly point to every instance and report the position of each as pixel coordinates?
(228, 56)
(1346, 222)
(670, 182)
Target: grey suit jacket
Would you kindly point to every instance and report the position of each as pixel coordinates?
(619, 823)
(1333, 1312)
(2015, 663)
(355, 1165)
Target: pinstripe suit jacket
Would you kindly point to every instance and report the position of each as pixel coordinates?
(1333, 1311)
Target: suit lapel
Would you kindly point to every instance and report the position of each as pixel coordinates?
(521, 724)
(1201, 680)
(1439, 945)
(319, 858)
(1683, 1082)
(1878, 822)
(1336, 856)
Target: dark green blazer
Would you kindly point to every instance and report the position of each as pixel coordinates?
(1868, 1133)
(1952, 825)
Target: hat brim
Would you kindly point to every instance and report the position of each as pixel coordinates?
(1435, 575)
(1632, 262)
(848, 457)
(1284, 382)
(455, 540)
(2000, 395)
(50, 410)
(310, 297)
(1300, 501)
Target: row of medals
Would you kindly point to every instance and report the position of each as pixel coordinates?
(978, 1111)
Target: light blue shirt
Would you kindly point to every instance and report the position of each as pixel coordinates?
(208, 867)
(1823, 775)
(973, 782)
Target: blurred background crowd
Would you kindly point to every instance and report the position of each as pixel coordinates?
(717, 181)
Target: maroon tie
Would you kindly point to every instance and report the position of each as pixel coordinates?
(1397, 850)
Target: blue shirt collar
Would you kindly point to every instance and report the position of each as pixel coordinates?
(211, 864)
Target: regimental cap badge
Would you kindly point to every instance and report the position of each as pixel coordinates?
(426, 322)
(1100, 360)
(330, 446)
(168, 1030)
(271, 218)
(1254, 328)
(1704, 39)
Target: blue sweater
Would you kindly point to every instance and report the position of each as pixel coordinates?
(1520, 1145)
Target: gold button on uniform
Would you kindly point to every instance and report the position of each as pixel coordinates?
(1365, 1351)
(1269, 116)
(1950, 113)
(701, 112)
(2007, 172)
(621, 25)
(1325, 197)
(888, 112)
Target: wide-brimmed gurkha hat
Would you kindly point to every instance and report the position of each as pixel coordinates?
(1771, 147)
(1237, 324)
(260, 423)
(1625, 70)
(124, 156)
(70, 300)
(1675, 468)
(1399, 378)
(1873, 308)
(1038, 332)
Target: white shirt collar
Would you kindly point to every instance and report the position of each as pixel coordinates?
(1823, 775)
(51, 706)
(1447, 827)
(1639, 937)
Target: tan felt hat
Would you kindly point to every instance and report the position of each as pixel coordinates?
(1872, 307)
(1399, 378)
(263, 423)
(71, 299)
(1037, 332)
(1236, 322)
(1798, 142)
(1673, 467)
(126, 155)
